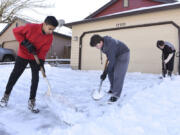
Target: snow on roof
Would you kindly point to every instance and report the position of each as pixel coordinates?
(2, 26)
(113, 1)
(129, 12)
(143, 8)
(64, 30)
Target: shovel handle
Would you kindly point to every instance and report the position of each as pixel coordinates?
(100, 85)
(105, 66)
(38, 62)
(44, 75)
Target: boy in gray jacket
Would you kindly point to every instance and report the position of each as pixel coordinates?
(118, 56)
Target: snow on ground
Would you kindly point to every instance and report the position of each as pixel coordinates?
(148, 105)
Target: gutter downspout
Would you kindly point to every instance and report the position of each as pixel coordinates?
(179, 51)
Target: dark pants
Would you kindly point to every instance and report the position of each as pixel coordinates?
(117, 77)
(19, 68)
(168, 68)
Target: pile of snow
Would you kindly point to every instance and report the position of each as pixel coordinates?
(148, 105)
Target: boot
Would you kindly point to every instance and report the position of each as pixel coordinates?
(32, 105)
(113, 99)
(164, 72)
(4, 100)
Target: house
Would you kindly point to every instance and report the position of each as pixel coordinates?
(139, 28)
(60, 47)
(115, 6)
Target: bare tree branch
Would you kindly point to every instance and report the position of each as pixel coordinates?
(11, 8)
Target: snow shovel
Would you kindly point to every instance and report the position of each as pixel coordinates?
(49, 92)
(98, 94)
(61, 23)
(44, 75)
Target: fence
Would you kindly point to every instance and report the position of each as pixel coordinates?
(54, 62)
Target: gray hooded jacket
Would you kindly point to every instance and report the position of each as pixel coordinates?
(113, 49)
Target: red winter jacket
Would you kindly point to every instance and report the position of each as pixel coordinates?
(33, 33)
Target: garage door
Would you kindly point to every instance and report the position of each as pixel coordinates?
(12, 45)
(144, 55)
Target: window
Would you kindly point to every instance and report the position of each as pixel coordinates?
(125, 3)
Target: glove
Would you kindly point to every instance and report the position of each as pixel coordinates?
(103, 76)
(30, 47)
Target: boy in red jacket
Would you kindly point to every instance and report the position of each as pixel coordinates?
(33, 39)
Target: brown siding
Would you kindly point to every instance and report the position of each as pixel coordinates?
(58, 48)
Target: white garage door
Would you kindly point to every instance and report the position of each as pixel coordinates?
(144, 55)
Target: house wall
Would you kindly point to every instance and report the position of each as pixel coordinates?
(144, 55)
(135, 38)
(58, 48)
(133, 4)
(60, 42)
(7, 39)
(11, 45)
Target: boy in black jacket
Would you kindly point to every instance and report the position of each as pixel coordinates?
(168, 53)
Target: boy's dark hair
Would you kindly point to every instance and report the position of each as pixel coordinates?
(95, 39)
(160, 43)
(51, 20)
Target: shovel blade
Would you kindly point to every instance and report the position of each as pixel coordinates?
(96, 95)
(48, 92)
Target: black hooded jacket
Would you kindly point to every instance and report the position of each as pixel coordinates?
(168, 48)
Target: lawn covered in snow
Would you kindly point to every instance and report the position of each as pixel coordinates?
(148, 105)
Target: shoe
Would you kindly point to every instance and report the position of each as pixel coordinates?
(32, 106)
(113, 99)
(4, 100)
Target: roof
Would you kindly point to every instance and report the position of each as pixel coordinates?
(113, 1)
(60, 34)
(156, 8)
(101, 9)
(8, 25)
